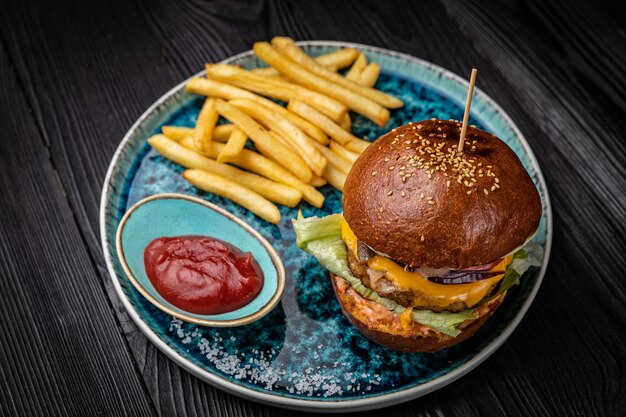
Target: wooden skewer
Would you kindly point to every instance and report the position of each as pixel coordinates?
(468, 104)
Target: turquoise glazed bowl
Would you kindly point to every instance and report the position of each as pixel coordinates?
(304, 354)
(178, 215)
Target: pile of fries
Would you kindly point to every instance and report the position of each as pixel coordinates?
(300, 147)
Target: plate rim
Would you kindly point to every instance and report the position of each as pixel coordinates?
(358, 404)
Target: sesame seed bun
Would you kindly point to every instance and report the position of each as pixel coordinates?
(411, 197)
(385, 328)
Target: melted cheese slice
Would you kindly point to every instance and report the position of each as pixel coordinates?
(427, 293)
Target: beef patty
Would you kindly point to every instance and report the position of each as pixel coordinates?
(377, 281)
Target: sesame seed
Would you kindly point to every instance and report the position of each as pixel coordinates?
(421, 196)
(496, 180)
(493, 188)
(431, 202)
(486, 192)
(391, 168)
(448, 183)
(390, 192)
(381, 209)
(422, 238)
(374, 173)
(402, 193)
(469, 192)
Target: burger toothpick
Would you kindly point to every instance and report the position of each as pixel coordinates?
(468, 104)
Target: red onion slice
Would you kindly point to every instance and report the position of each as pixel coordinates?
(464, 276)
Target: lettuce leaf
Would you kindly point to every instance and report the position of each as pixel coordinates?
(530, 255)
(321, 237)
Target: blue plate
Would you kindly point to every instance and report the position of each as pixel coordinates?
(179, 215)
(304, 354)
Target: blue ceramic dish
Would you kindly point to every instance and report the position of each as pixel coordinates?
(304, 354)
(179, 215)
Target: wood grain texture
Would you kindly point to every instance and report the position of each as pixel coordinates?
(61, 352)
(89, 70)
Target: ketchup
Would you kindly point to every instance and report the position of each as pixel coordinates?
(202, 275)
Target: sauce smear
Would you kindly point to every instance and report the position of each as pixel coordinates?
(202, 275)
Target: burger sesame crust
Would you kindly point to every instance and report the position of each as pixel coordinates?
(414, 198)
(385, 328)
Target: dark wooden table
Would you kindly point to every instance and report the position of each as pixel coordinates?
(75, 74)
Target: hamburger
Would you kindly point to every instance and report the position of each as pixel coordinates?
(430, 239)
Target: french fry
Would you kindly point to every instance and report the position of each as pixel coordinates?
(205, 125)
(357, 145)
(266, 72)
(284, 141)
(306, 126)
(339, 59)
(233, 147)
(233, 191)
(333, 61)
(266, 144)
(271, 190)
(343, 152)
(298, 56)
(274, 88)
(221, 133)
(331, 128)
(305, 146)
(178, 132)
(370, 74)
(335, 177)
(247, 80)
(332, 108)
(346, 122)
(261, 165)
(335, 160)
(212, 88)
(280, 42)
(219, 89)
(317, 181)
(354, 73)
(296, 73)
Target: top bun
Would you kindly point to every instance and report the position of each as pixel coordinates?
(413, 198)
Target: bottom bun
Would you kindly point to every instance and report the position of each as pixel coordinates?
(385, 327)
